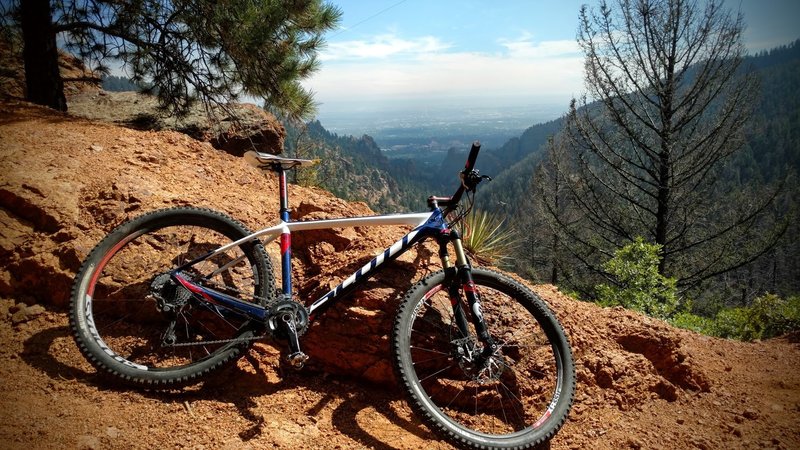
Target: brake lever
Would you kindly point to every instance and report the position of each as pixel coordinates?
(470, 179)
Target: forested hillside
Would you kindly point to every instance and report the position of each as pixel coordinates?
(773, 136)
(766, 166)
(354, 168)
(115, 83)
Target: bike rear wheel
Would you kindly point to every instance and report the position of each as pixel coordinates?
(131, 321)
(517, 398)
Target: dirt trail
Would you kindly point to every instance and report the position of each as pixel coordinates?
(65, 182)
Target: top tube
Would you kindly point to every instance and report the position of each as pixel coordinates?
(413, 219)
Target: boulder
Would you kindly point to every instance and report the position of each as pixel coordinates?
(234, 128)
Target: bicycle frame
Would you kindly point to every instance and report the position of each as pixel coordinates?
(425, 225)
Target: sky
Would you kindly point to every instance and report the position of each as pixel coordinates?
(411, 54)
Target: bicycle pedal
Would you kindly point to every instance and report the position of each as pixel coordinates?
(297, 360)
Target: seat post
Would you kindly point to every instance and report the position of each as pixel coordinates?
(287, 321)
(284, 192)
(286, 237)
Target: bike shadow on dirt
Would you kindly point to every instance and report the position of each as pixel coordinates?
(366, 413)
(243, 384)
(37, 353)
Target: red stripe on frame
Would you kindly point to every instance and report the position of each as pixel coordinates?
(286, 242)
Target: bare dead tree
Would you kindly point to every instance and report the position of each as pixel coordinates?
(550, 215)
(666, 105)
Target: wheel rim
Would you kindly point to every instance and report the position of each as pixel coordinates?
(511, 393)
(128, 322)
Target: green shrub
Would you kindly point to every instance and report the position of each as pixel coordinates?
(693, 322)
(791, 314)
(768, 316)
(638, 285)
(735, 323)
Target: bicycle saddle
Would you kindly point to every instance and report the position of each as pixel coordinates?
(274, 162)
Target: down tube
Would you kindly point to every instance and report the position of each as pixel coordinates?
(398, 248)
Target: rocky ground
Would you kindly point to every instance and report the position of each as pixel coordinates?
(66, 181)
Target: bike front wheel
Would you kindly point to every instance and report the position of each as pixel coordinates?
(518, 397)
(133, 322)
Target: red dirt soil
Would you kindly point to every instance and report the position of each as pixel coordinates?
(66, 181)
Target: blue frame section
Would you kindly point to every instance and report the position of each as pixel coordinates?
(434, 226)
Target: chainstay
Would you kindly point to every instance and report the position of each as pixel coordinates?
(219, 341)
(265, 301)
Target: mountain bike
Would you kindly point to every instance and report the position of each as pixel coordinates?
(173, 295)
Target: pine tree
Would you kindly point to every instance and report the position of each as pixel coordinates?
(185, 49)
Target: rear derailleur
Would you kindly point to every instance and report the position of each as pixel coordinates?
(170, 300)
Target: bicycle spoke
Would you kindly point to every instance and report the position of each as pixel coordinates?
(497, 394)
(143, 318)
(435, 373)
(429, 350)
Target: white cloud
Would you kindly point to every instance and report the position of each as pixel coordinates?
(525, 47)
(381, 47)
(391, 68)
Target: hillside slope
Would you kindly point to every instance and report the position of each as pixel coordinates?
(67, 181)
(771, 135)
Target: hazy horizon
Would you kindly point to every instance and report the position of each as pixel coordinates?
(379, 119)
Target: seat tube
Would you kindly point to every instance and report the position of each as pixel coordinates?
(286, 236)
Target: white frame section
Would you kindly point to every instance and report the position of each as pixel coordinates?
(413, 219)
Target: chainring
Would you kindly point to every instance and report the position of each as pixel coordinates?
(287, 310)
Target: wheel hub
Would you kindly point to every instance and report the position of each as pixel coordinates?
(479, 368)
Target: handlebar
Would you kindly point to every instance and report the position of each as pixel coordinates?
(473, 155)
(467, 177)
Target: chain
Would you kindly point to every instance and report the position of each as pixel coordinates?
(220, 286)
(219, 341)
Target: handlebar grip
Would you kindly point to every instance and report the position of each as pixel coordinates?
(473, 155)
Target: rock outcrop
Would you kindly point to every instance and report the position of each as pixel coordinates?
(236, 128)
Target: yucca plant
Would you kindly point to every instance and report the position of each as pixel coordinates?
(486, 239)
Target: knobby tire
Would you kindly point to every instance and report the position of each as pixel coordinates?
(519, 399)
(117, 321)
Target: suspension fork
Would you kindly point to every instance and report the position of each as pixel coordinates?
(465, 282)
